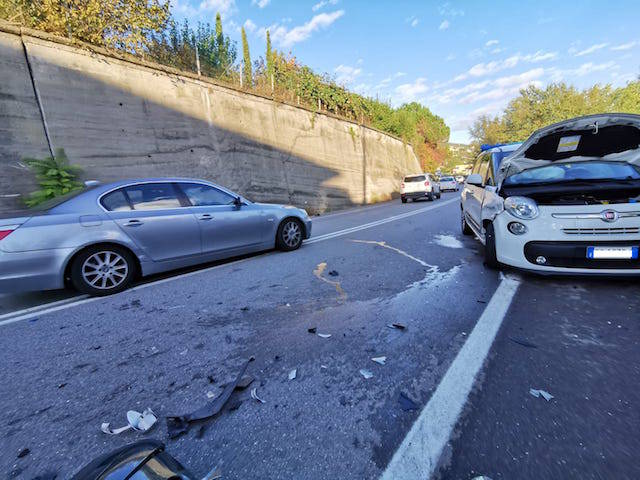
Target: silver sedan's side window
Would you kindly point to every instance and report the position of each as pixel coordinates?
(201, 195)
(153, 196)
(116, 201)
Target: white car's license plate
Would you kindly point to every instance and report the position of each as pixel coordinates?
(612, 253)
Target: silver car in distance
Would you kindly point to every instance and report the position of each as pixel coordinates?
(101, 238)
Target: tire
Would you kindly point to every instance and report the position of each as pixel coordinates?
(88, 277)
(490, 259)
(431, 197)
(439, 195)
(466, 229)
(289, 235)
(404, 200)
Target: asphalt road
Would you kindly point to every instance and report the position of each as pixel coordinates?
(171, 343)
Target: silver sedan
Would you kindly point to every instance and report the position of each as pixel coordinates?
(101, 238)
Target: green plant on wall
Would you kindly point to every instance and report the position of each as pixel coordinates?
(55, 177)
(353, 134)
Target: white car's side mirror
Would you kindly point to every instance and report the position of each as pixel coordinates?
(474, 179)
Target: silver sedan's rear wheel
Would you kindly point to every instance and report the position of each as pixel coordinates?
(102, 270)
(289, 236)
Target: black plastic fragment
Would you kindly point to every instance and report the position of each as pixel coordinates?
(312, 330)
(23, 453)
(523, 342)
(406, 403)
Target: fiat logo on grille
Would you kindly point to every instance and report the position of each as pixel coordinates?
(609, 215)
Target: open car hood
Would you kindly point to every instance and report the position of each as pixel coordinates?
(607, 136)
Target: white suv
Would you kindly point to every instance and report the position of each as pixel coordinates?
(566, 201)
(420, 186)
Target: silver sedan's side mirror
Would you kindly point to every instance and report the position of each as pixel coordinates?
(474, 179)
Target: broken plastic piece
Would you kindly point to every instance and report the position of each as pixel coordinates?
(179, 424)
(245, 382)
(523, 342)
(254, 395)
(137, 421)
(293, 373)
(537, 393)
(406, 403)
(324, 335)
(399, 326)
(333, 273)
(312, 330)
(366, 373)
(380, 360)
(23, 453)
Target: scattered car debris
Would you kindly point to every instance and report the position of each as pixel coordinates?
(537, 393)
(398, 326)
(244, 309)
(293, 373)
(245, 382)
(523, 342)
(312, 330)
(179, 424)
(23, 453)
(379, 360)
(184, 352)
(333, 273)
(366, 373)
(210, 394)
(137, 421)
(234, 404)
(254, 395)
(62, 385)
(406, 403)
(288, 305)
(324, 335)
(481, 477)
(323, 366)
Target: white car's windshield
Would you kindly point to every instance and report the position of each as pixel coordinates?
(575, 171)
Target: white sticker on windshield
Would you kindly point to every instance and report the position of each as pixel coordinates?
(568, 144)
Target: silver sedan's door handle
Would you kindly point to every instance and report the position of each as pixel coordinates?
(205, 216)
(133, 223)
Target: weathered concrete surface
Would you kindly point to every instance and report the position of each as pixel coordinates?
(120, 119)
(21, 131)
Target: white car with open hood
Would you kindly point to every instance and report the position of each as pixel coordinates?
(566, 201)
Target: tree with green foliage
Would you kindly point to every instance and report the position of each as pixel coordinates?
(269, 56)
(246, 61)
(55, 177)
(535, 108)
(123, 24)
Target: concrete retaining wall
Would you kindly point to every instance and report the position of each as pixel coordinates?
(119, 118)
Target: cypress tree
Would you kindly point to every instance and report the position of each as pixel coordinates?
(269, 57)
(246, 61)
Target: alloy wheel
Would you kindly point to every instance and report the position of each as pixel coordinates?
(105, 270)
(291, 233)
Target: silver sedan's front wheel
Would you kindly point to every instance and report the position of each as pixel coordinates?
(290, 233)
(102, 270)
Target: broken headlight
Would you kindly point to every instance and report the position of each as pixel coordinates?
(521, 207)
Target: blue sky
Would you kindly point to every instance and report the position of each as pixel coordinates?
(461, 59)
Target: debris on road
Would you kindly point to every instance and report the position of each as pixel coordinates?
(333, 273)
(312, 330)
(254, 395)
(184, 352)
(210, 394)
(481, 477)
(245, 382)
(379, 360)
(406, 403)
(23, 453)
(324, 335)
(319, 270)
(537, 393)
(137, 421)
(179, 424)
(523, 342)
(293, 373)
(366, 373)
(244, 309)
(398, 326)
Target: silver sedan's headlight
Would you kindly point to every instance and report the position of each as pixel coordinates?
(521, 207)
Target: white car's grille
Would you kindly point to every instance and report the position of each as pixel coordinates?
(602, 231)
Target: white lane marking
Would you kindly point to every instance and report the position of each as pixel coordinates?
(393, 218)
(401, 252)
(29, 313)
(353, 210)
(419, 453)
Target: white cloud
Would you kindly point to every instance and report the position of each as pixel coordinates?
(412, 20)
(415, 22)
(540, 56)
(447, 10)
(519, 79)
(586, 69)
(491, 43)
(260, 3)
(346, 74)
(591, 49)
(225, 7)
(444, 25)
(249, 26)
(450, 57)
(286, 37)
(489, 68)
(624, 46)
(408, 92)
(323, 3)
(495, 51)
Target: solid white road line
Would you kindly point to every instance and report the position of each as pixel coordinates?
(33, 312)
(419, 453)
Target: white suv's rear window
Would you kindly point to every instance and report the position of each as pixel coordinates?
(416, 178)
